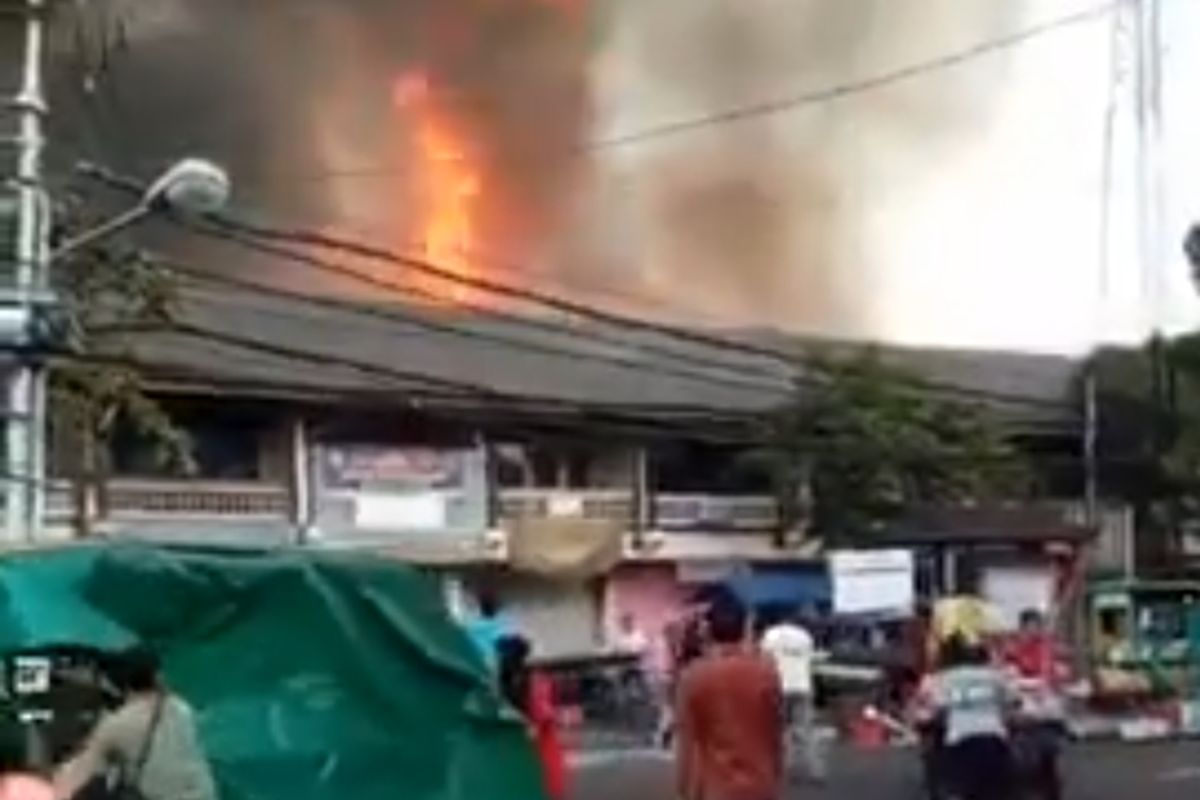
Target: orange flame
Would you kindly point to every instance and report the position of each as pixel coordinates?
(451, 187)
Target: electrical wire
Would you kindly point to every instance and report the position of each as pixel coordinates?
(401, 288)
(855, 87)
(393, 314)
(248, 234)
(789, 359)
(403, 379)
(780, 105)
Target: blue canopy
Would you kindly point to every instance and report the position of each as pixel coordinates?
(783, 586)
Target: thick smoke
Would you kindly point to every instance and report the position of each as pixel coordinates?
(759, 222)
(296, 97)
(765, 220)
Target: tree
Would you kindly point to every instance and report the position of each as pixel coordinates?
(105, 297)
(863, 440)
(1149, 435)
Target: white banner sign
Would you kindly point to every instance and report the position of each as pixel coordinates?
(417, 511)
(1013, 590)
(872, 581)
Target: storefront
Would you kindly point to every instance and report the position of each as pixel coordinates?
(560, 618)
(654, 596)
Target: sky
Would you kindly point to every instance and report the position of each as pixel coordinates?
(962, 207)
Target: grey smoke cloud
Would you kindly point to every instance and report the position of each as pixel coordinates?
(763, 221)
(758, 222)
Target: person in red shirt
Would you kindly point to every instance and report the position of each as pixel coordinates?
(1033, 656)
(730, 717)
(1032, 651)
(532, 693)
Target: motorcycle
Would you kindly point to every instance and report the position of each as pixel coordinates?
(1037, 731)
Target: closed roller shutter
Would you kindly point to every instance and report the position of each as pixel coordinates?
(560, 618)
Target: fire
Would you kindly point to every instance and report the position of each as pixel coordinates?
(451, 186)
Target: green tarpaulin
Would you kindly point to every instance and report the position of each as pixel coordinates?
(316, 677)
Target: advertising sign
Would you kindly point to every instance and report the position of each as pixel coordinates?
(363, 468)
(872, 581)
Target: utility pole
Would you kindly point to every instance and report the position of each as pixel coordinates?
(25, 383)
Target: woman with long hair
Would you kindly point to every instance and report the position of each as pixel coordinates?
(532, 693)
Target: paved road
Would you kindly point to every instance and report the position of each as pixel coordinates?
(1094, 772)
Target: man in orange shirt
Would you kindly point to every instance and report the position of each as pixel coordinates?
(730, 717)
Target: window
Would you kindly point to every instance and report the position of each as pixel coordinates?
(226, 445)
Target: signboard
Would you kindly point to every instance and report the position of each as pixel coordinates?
(383, 512)
(31, 675)
(364, 468)
(872, 581)
(381, 490)
(1012, 590)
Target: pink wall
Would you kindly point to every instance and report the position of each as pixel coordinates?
(653, 595)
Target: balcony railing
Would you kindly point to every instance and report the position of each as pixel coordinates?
(672, 512)
(584, 503)
(140, 499)
(712, 512)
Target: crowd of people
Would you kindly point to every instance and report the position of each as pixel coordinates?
(741, 711)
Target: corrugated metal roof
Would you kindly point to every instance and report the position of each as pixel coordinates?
(244, 341)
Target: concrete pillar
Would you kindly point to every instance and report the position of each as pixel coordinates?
(300, 478)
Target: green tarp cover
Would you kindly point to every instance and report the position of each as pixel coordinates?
(316, 676)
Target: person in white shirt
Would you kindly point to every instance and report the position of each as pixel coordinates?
(793, 650)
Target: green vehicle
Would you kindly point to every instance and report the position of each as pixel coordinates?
(314, 676)
(1144, 637)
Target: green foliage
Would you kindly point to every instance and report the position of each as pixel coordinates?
(1149, 445)
(103, 300)
(868, 441)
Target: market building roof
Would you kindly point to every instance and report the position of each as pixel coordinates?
(275, 345)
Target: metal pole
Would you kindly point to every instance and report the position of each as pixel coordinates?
(25, 388)
(1091, 464)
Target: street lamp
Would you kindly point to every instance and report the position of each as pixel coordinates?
(192, 186)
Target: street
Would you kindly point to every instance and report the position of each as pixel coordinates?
(1094, 772)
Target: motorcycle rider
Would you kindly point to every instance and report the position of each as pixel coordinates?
(969, 700)
(1033, 658)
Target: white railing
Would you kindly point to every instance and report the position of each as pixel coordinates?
(672, 512)
(143, 499)
(700, 512)
(584, 503)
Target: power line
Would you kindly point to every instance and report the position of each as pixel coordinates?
(853, 87)
(247, 235)
(791, 360)
(722, 427)
(590, 336)
(450, 389)
(828, 94)
(780, 105)
(393, 314)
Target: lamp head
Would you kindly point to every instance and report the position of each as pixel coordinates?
(192, 186)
